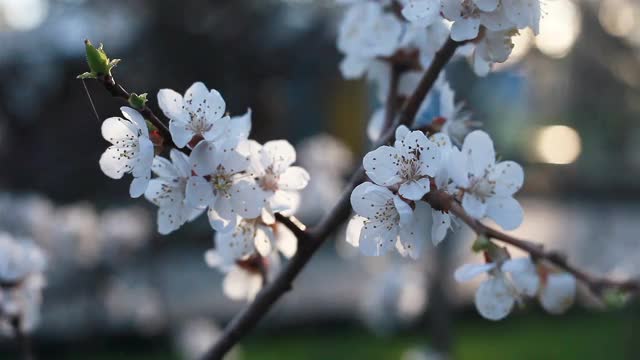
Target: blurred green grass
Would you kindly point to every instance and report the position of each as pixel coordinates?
(578, 335)
(536, 336)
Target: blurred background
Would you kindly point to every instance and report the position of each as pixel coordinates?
(566, 105)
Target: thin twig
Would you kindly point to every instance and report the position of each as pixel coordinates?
(247, 319)
(597, 285)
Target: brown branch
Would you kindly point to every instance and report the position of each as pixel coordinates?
(117, 91)
(310, 240)
(597, 285)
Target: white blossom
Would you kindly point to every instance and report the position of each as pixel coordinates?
(21, 275)
(131, 150)
(494, 47)
(244, 278)
(200, 113)
(408, 164)
(168, 191)
(366, 32)
(487, 186)
(506, 284)
(251, 236)
(221, 185)
(469, 15)
(557, 292)
(421, 12)
(386, 221)
(278, 181)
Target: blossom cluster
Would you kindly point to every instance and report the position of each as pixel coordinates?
(21, 281)
(390, 208)
(392, 214)
(373, 30)
(216, 169)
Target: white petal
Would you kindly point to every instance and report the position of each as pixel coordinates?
(204, 158)
(402, 132)
(219, 130)
(376, 124)
(367, 199)
(558, 293)
(172, 106)
(486, 5)
(199, 192)
(509, 177)
(493, 299)
(135, 117)
(113, 164)
(457, 168)
(354, 227)
(143, 161)
(116, 129)
(404, 210)
(376, 239)
(465, 29)
(415, 190)
(162, 193)
(164, 168)
(231, 160)
(282, 201)
(478, 147)
(441, 223)
(381, 165)
(496, 20)
(505, 211)
(414, 234)
(523, 275)
(181, 133)
(353, 67)
(237, 283)
(286, 241)
(169, 219)
(467, 272)
(294, 178)
(264, 237)
(181, 162)
(247, 199)
(523, 13)
(238, 243)
(240, 126)
(474, 206)
(195, 96)
(421, 12)
(214, 106)
(280, 154)
(138, 186)
(221, 215)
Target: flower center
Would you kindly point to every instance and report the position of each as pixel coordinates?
(221, 181)
(269, 181)
(482, 187)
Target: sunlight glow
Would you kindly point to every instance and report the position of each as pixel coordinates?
(559, 28)
(557, 144)
(23, 15)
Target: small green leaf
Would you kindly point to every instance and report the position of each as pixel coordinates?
(482, 243)
(614, 298)
(99, 63)
(86, 75)
(138, 101)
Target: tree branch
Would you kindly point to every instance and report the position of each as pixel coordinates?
(597, 285)
(311, 240)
